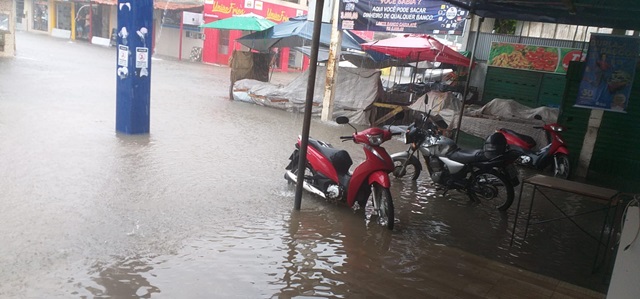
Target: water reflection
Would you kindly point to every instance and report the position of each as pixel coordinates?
(126, 278)
(314, 254)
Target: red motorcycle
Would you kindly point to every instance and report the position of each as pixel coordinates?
(327, 171)
(555, 154)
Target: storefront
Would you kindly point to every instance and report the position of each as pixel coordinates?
(79, 20)
(40, 13)
(63, 15)
(178, 34)
(220, 44)
(7, 27)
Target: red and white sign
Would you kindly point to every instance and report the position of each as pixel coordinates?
(228, 8)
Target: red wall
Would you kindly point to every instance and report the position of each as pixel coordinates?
(222, 9)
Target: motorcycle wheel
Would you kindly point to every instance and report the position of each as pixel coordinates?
(309, 174)
(381, 199)
(563, 166)
(490, 186)
(410, 169)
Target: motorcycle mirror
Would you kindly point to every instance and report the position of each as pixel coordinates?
(537, 116)
(342, 120)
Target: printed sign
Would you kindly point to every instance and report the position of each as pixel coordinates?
(123, 55)
(402, 16)
(223, 9)
(534, 58)
(142, 58)
(192, 18)
(609, 71)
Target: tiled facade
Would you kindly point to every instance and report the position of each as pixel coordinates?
(7, 40)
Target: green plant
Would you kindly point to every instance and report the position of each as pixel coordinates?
(504, 26)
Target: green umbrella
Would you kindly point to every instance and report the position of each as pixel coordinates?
(249, 22)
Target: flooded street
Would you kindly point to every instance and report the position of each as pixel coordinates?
(199, 207)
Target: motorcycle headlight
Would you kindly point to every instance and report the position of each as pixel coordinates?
(375, 139)
(556, 129)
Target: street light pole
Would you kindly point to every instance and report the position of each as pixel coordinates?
(133, 69)
(466, 85)
(311, 84)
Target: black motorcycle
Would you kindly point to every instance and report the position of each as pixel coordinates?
(486, 174)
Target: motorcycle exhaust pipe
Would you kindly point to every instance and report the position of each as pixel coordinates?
(306, 185)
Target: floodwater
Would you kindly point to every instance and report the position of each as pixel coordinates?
(199, 207)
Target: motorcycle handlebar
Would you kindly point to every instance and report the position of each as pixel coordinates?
(538, 127)
(346, 137)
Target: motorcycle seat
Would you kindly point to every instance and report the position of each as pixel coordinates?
(526, 138)
(340, 159)
(468, 156)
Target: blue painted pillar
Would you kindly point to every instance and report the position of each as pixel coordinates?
(133, 66)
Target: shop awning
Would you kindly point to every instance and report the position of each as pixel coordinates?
(620, 14)
(106, 2)
(177, 4)
(170, 5)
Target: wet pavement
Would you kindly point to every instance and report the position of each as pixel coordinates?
(199, 207)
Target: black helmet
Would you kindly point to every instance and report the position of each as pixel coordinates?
(495, 145)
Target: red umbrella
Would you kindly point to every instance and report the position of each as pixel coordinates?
(414, 48)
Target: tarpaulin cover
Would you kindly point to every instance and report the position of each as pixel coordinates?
(349, 100)
(482, 121)
(412, 48)
(506, 109)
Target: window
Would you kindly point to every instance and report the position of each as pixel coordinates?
(4, 22)
(20, 11)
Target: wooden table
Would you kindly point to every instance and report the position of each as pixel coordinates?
(599, 194)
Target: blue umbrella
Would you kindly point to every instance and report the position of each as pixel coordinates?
(297, 32)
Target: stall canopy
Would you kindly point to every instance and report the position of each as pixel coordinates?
(248, 22)
(297, 32)
(414, 48)
(619, 14)
(365, 60)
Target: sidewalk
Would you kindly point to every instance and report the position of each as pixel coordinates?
(194, 128)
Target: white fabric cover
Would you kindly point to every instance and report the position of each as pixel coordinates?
(355, 90)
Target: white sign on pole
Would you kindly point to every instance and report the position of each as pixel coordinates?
(142, 58)
(123, 55)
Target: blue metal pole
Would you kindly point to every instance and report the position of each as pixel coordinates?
(133, 65)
